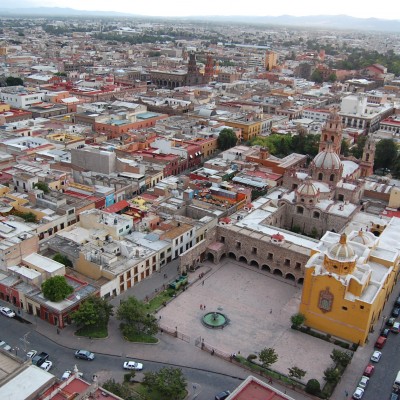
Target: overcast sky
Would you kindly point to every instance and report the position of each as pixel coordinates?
(389, 9)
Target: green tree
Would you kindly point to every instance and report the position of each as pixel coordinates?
(316, 76)
(358, 149)
(56, 288)
(385, 154)
(11, 81)
(168, 382)
(332, 375)
(120, 389)
(341, 357)
(296, 372)
(332, 77)
(313, 386)
(297, 319)
(135, 319)
(396, 168)
(28, 217)
(268, 357)
(94, 311)
(344, 148)
(42, 186)
(63, 260)
(226, 139)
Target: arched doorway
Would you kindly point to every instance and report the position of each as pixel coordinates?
(222, 257)
(254, 263)
(300, 281)
(242, 259)
(266, 267)
(277, 272)
(210, 257)
(290, 277)
(232, 255)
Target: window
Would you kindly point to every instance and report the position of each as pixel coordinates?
(120, 231)
(254, 250)
(222, 239)
(298, 265)
(341, 197)
(300, 210)
(320, 176)
(344, 308)
(362, 307)
(316, 214)
(332, 177)
(287, 262)
(270, 256)
(238, 245)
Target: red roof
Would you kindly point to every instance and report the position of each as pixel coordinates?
(117, 207)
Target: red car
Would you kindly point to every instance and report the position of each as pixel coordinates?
(369, 370)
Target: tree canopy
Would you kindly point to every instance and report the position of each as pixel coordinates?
(135, 319)
(12, 81)
(168, 382)
(385, 154)
(268, 357)
(42, 186)
(226, 139)
(56, 288)
(62, 260)
(94, 311)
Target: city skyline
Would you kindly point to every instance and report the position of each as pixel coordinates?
(223, 8)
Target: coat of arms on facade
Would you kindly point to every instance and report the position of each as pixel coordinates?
(325, 300)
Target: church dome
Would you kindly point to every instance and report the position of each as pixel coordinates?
(327, 160)
(307, 189)
(363, 237)
(341, 251)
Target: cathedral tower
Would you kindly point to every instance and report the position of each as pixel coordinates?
(332, 132)
(367, 161)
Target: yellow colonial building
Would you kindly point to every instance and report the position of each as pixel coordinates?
(348, 281)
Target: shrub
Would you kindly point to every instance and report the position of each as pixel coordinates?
(251, 357)
(313, 386)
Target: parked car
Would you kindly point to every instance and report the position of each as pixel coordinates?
(390, 321)
(358, 394)
(66, 375)
(396, 327)
(363, 382)
(396, 312)
(7, 312)
(385, 332)
(376, 356)
(133, 365)
(223, 395)
(31, 353)
(39, 359)
(84, 355)
(46, 365)
(4, 345)
(380, 342)
(369, 370)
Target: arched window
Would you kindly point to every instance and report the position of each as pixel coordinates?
(332, 177)
(367, 157)
(316, 215)
(332, 138)
(320, 176)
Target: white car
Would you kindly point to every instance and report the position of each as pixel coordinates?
(46, 365)
(66, 375)
(363, 382)
(31, 353)
(133, 365)
(358, 394)
(7, 312)
(376, 356)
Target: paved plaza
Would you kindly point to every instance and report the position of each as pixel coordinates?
(259, 306)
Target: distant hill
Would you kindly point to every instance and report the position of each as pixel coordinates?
(312, 21)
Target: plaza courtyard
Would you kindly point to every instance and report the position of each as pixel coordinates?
(259, 306)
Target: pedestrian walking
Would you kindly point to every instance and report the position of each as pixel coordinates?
(270, 311)
(270, 380)
(201, 306)
(202, 283)
(204, 307)
(346, 393)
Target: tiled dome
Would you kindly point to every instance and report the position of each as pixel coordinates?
(341, 251)
(307, 189)
(327, 160)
